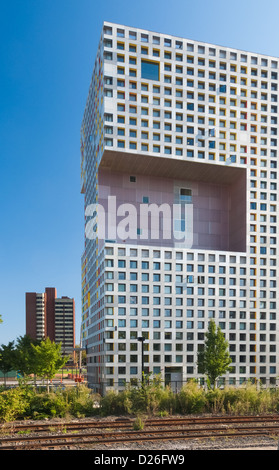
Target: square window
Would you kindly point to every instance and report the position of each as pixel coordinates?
(150, 70)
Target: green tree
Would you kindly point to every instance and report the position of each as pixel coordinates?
(47, 359)
(214, 360)
(7, 358)
(24, 355)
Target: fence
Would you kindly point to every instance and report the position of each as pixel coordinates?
(176, 385)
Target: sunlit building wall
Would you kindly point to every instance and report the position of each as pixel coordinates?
(173, 121)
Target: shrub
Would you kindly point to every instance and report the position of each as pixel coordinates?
(13, 404)
(25, 402)
(76, 401)
(81, 401)
(214, 400)
(115, 403)
(146, 398)
(167, 401)
(190, 399)
(249, 400)
(159, 398)
(48, 405)
(246, 399)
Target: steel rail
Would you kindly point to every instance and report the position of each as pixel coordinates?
(50, 441)
(126, 423)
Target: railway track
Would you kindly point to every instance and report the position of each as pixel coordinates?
(97, 432)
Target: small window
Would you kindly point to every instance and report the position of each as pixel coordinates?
(150, 70)
(133, 179)
(186, 195)
(120, 33)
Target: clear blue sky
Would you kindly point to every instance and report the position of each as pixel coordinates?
(47, 51)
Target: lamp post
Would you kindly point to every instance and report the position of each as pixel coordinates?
(141, 339)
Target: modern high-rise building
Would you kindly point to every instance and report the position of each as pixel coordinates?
(52, 317)
(179, 175)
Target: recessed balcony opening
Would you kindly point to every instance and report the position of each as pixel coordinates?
(213, 196)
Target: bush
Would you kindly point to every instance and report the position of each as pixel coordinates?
(190, 399)
(27, 403)
(81, 401)
(13, 404)
(159, 399)
(48, 405)
(150, 398)
(116, 403)
(76, 401)
(215, 400)
(167, 403)
(245, 399)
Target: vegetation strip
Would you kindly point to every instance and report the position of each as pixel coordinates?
(152, 399)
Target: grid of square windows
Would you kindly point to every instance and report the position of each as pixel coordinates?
(213, 104)
(215, 100)
(170, 299)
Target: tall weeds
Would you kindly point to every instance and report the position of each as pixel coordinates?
(155, 399)
(151, 398)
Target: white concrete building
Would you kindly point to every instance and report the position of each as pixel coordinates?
(171, 122)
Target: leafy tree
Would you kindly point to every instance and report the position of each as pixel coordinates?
(7, 358)
(47, 359)
(24, 355)
(214, 359)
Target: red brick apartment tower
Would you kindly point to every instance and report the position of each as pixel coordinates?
(52, 317)
(51, 295)
(31, 314)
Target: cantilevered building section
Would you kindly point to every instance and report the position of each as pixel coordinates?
(179, 176)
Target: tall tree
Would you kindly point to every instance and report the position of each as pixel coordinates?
(48, 359)
(7, 358)
(214, 360)
(24, 355)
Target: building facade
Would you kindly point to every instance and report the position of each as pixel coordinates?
(179, 176)
(52, 317)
